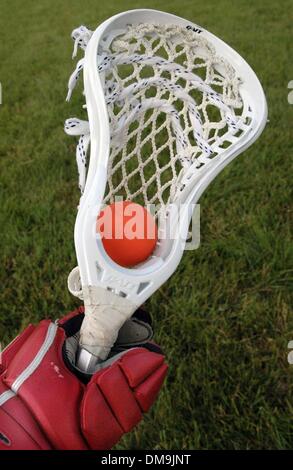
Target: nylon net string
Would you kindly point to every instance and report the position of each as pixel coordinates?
(173, 105)
(172, 102)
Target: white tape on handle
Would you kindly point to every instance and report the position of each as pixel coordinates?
(105, 313)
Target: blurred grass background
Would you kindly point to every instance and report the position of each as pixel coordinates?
(224, 317)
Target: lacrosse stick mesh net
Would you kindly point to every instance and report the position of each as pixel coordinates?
(173, 106)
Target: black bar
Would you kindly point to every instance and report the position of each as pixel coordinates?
(161, 458)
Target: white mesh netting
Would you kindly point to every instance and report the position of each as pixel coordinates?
(173, 105)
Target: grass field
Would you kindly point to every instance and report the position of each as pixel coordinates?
(224, 317)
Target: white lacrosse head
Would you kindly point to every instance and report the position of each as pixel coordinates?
(169, 106)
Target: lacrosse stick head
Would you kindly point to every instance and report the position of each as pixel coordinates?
(169, 106)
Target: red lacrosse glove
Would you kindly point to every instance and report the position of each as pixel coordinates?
(46, 403)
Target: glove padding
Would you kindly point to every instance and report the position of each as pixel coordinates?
(46, 403)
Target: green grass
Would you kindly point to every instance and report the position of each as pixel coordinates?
(224, 317)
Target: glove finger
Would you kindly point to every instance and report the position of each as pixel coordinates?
(114, 386)
(147, 392)
(117, 395)
(138, 364)
(99, 425)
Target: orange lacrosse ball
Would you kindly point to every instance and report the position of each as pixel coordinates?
(128, 231)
